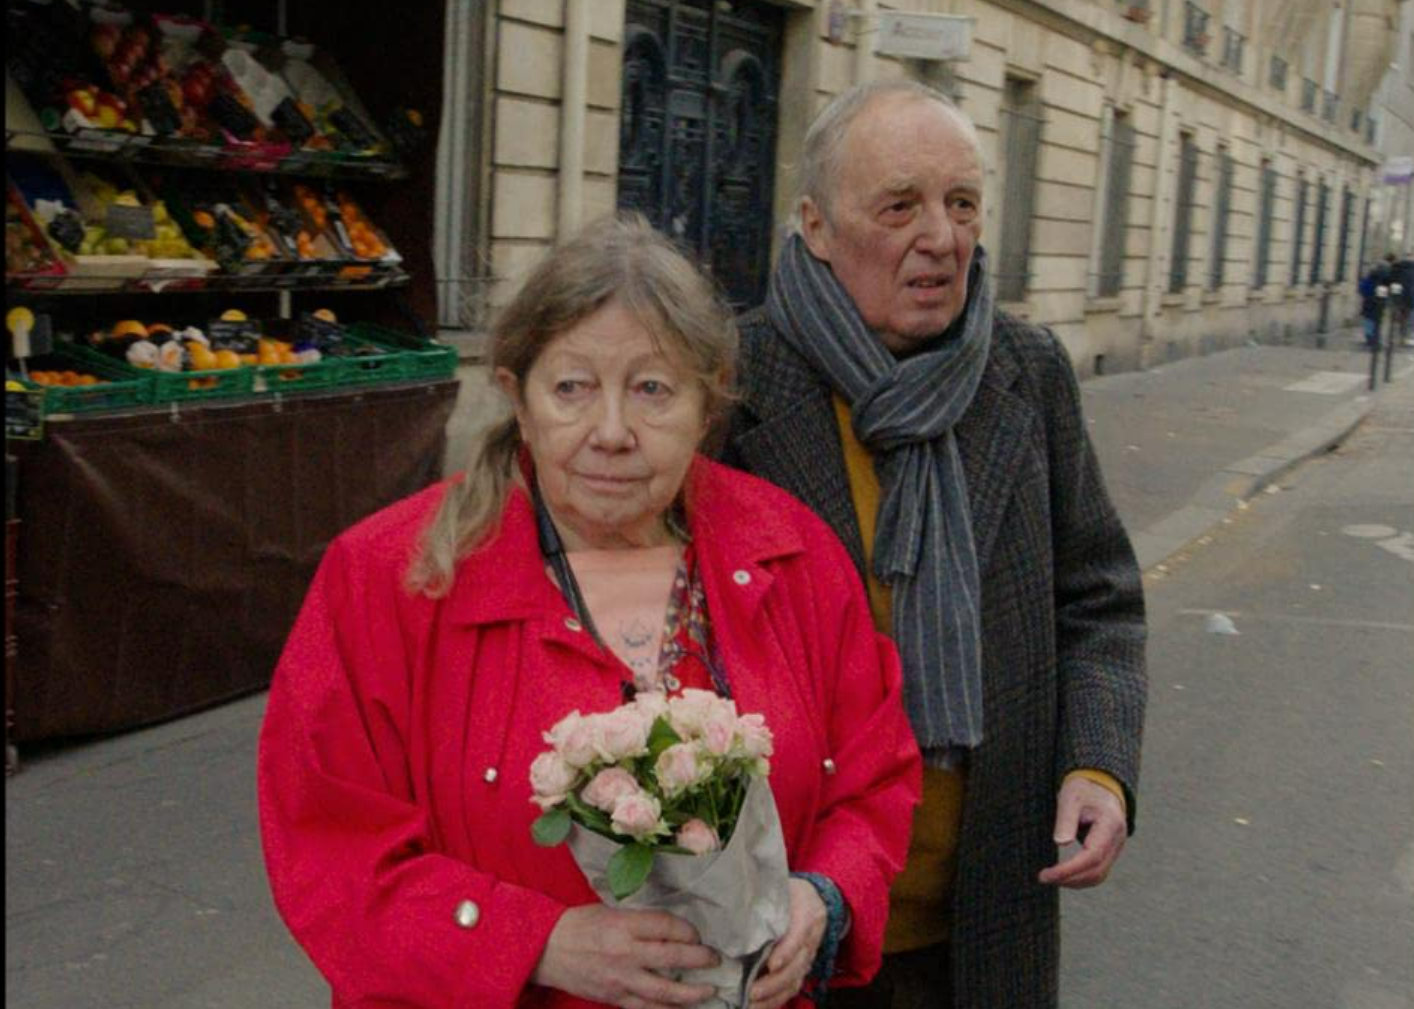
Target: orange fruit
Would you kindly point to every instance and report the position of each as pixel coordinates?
(128, 327)
(233, 315)
(227, 359)
(202, 359)
(325, 314)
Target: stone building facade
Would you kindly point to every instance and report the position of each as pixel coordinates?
(1179, 176)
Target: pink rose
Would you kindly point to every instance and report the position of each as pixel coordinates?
(636, 815)
(573, 738)
(697, 837)
(551, 778)
(620, 734)
(652, 704)
(719, 732)
(607, 787)
(690, 710)
(678, 768)
(756, 739)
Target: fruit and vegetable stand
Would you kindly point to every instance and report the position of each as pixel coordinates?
(218, 287)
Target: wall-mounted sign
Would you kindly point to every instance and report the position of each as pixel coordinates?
(1399, 170)
(924, 36)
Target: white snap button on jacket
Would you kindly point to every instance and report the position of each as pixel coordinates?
(468, 914)
(573, 624)
(741, 577)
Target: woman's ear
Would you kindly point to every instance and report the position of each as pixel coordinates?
(510, 385)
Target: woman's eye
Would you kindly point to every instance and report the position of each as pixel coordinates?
(653, 388)
(568, 387)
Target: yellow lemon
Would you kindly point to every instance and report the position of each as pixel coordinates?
(325, 315)
(233, 315)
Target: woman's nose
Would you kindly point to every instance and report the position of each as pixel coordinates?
(612, 430)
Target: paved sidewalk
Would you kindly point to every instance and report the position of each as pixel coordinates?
(133, 870)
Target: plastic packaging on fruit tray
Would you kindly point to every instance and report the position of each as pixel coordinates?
(320, 87)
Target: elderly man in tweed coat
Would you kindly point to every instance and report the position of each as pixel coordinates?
(943, 441)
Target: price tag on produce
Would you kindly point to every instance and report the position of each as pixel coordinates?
(232, 333)
(24, 415)
(133, 223)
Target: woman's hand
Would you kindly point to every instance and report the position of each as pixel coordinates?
(791, 960)
(609, 955)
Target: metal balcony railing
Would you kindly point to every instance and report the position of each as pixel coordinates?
(1195, 29)
(1276, 77)
(1233, 44)
(1308, 95)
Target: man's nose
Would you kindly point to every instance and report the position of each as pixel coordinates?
(935, 235)
(612, 430)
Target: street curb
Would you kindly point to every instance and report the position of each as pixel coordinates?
(1243, 480)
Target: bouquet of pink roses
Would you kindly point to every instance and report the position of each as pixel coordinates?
(665, 804)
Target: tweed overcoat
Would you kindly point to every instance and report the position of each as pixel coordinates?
(1064, 681)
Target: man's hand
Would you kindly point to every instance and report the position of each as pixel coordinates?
(1084, 804)
(792, 958)
(610, 955)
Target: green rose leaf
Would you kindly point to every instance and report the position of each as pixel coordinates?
(628, 868)
(551, 827)
(660, 737)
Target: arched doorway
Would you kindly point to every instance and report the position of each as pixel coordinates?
(697, 131)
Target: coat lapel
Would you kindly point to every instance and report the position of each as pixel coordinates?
(994, 437)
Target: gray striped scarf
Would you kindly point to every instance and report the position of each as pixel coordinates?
(903, 412)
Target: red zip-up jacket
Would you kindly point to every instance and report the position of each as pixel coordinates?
(394, 759)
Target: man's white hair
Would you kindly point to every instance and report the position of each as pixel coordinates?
(824, 141)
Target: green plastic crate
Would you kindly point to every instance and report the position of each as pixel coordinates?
(183, 386)
(365, 369)
(123, 386)
(294, 379)
(421, 359)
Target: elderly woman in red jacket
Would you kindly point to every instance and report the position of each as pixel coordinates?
(589, 553)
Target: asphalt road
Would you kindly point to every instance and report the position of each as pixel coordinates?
(1273, 865)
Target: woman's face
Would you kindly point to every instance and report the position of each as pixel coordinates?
(612, 424)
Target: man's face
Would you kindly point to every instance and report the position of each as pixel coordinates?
(905, 215)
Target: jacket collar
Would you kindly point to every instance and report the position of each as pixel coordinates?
(734, 520)
(795, 442)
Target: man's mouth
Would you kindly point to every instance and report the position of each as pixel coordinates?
(929, 282)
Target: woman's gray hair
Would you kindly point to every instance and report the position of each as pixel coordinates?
(619, 259)
(824, 141)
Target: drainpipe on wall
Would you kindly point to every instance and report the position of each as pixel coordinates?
(1159, 211)
(574, 95)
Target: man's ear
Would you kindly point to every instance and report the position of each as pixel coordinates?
(815, 229)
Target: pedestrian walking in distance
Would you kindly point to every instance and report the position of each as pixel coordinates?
(1372, 305)
(943, 441)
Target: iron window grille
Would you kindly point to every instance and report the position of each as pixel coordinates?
(1116, 208)
(1347, 217)
(1222, 206)
(1330, 106)
(1355, 116)
(1297, 232)
(1233, 44)
(1308, 95)
(1264, 222)
(1183, 213)
(1317, 253)
(1277, 74)
(1022, 114)
(1195, 28)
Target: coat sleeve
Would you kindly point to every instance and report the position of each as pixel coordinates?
(351, 855)
(866, 807)
(1100, 630)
